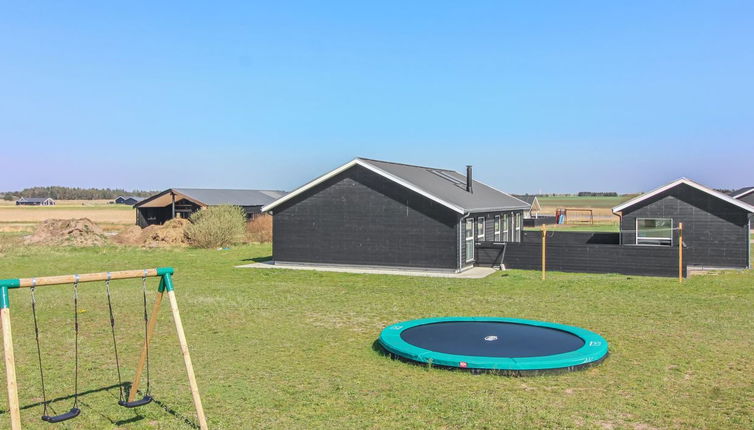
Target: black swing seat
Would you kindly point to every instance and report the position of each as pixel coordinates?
(73, 413)
(136, 403)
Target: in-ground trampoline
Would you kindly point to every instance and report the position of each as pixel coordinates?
(504, 345)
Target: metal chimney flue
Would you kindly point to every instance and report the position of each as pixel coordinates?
(469, 180)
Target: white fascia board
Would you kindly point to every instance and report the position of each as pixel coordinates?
(738, 196)
(408, 185)
(309, 185)
(366, 165)
(690, 183)
(500, 209)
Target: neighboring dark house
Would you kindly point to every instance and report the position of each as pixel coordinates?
(533, 203)
(128, 200)
(715, 225)
(746, 195)
(35, 201)
(182, 202)
(377, 213)
(715, 235)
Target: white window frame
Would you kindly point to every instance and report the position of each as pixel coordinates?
(506, 228)
(469, 228)
(636, 230)
(480, 233)
(497, 228)
(518, 226)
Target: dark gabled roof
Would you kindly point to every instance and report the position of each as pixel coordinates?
(214, 197)
(34, 199)
(526, 198)
(134, 198)
(741, 192)
(231, 197)
(689, 182)
(446, 187)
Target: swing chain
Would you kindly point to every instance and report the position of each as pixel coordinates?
(115, 343)
(39, 349)
(146, 325)
(76, 339)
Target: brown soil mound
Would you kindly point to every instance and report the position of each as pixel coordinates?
(68, 232)
(131, 235)
(172, 233)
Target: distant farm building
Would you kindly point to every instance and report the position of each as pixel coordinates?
(35, 201)
(182, 202)
(533, 203)
(744, 194)
(128, 200)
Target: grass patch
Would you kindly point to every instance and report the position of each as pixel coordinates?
(294, 349)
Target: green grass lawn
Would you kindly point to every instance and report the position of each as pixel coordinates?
(288, 349)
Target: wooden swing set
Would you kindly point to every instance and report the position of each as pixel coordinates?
(150, 320)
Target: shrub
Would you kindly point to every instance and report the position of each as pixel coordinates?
(259, 229)
(216, 226)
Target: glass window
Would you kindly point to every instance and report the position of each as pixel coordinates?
(506, 228)
(654, 231)
(469, 239)
(518, 227)
(480, 228)
(497, 228)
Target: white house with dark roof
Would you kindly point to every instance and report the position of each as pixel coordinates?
(534, 206)
(379, 213)
(35, 201)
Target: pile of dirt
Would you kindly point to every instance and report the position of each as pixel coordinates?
(129, 236)
(172, 233)
(68, 232)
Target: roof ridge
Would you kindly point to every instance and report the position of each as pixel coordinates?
(687, 181)
(741, 192)
(419, 182)
(407, 165)
(223, 189)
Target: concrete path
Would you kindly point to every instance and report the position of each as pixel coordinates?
(473, 273)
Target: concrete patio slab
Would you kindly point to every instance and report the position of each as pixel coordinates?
(473, 273)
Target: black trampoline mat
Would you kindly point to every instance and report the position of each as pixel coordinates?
(491, 339)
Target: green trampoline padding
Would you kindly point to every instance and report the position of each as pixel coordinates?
(492, 343)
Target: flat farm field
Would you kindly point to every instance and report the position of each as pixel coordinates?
(23, 218)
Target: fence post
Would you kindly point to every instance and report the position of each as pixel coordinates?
(680, 252)
(544, 252)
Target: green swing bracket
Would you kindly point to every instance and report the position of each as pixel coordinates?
(4, 299)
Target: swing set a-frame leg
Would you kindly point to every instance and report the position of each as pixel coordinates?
(10, 362)
(145, 348)
(166, 287)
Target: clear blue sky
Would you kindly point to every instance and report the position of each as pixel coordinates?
(537, 95)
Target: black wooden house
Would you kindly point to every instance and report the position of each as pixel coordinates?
(715, 225)
(378, 213)
(127, 200)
